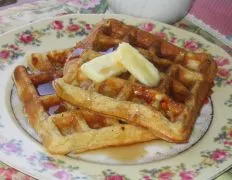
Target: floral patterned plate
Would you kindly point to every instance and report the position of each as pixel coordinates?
(210, 156)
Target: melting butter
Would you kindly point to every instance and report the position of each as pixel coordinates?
(125, 58)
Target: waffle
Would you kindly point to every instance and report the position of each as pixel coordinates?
(120, 110)
(170, 109)
(69, 129)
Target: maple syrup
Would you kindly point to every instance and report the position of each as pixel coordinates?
(123, 153)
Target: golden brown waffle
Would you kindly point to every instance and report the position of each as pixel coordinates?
(186, 81)
(120, 110)
(69, 129)
(49, 62)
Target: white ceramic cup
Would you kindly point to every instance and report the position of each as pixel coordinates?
(168, 11)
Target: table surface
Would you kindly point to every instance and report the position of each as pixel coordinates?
(25, 11)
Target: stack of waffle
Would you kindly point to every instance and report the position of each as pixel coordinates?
(119, 110)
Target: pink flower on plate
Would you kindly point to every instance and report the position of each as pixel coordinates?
(115, 177)
(26, 38)
(62, 175)
(58, 25)
(4, 54)
(162, 35)
(229, 82)
(49, 165)
(12, 46)
(173, 40)
(88, 26)
(191, 45)
(219, 155)
(31, 158)
(223, 73)
(11, 147)
(148, 27)
(20, 176)
(222, 61)
(230, 133)
(227, 143)
(73, 27)
(187, 175)
(165, 175)
(7, 172)
(146, 178)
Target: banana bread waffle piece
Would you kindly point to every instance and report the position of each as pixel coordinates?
(170, 109)
(70, 129)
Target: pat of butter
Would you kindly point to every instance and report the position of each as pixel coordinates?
(103, 67)
(138, 65)
(125, 58)
(193, 64)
